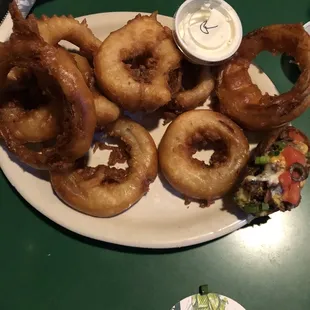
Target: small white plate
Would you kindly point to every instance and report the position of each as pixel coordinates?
(158, 220)
(208, 301)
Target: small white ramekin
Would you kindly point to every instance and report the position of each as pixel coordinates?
(208, 32)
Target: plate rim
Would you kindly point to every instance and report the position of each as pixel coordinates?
(199, 239)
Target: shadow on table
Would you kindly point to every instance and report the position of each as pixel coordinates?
(102, 244)
(257, 222)
(290, 68)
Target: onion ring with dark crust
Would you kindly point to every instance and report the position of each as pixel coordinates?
(42, 123)
(145, 88)
(38, 124)
(198, 83)
(53, 30)
(242, 100)
(26, 49)
(105, 191)
(192, 177)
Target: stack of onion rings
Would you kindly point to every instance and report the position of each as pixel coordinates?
(26, 49)
(43, 122)
(140, 68)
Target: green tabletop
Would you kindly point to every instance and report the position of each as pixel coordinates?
(265, 266)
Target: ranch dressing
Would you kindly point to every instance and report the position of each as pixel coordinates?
(268, 175)
(207, 31)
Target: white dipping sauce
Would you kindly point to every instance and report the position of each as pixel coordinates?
(209, 30)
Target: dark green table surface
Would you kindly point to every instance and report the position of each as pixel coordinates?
(267, 266)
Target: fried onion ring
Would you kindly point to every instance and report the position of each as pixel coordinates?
(43, 122)
(243, 101)
(56, 28)
(26, 49)
(106, 111)
(192, 177)
(38, 124)
(146, 87)
(197, 85)
(53, 30)
(105, 191)
(17, 79)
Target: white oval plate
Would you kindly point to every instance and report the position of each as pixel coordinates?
(160, 219)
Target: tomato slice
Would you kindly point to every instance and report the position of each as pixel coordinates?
(296, 136)
(285, 180)
(293, 195)
(291, 189)
(292, 156)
